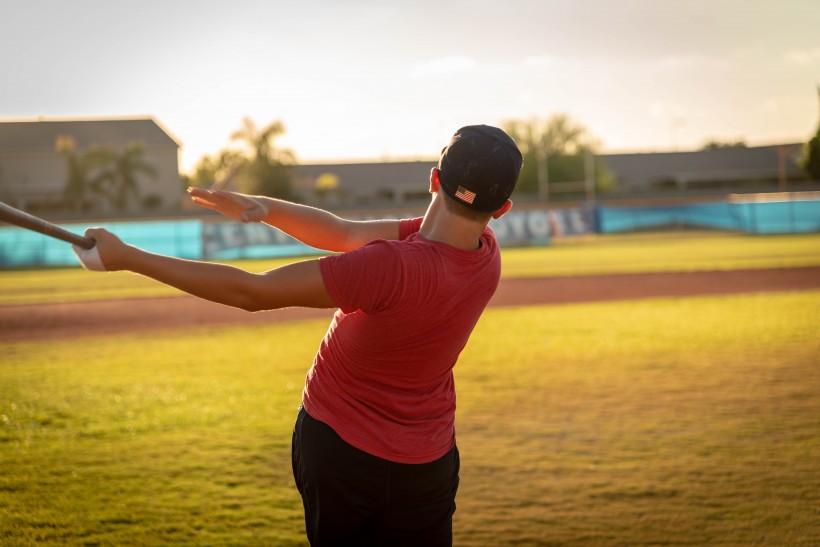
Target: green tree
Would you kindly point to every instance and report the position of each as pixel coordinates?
(216, 171)
(86, 171)
(267, 170)
(555, 135)
(810, 161)
(554, 150)
(125, 168)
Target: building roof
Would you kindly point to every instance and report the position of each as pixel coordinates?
(368, 179)
(42, 133)
(714, 164)
(634, 171)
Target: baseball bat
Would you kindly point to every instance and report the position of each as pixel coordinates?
(30, 222)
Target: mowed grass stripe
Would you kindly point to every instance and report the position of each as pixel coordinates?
(663, 252)
(602, 254)
(679, 421)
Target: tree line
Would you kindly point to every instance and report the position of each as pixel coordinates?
(555, 148)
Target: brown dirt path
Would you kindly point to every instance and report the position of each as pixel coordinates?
(37, 322)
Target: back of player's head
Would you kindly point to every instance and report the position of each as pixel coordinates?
(480, 167)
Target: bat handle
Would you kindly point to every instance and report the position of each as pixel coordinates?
(86, 242)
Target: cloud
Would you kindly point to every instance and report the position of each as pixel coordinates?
(445, 65)
(802, 57)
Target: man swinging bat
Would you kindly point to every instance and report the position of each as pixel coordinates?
(374, 451)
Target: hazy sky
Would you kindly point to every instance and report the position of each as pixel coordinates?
(367, 79)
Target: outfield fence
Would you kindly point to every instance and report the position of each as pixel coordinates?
(774, 213)
(214, 238)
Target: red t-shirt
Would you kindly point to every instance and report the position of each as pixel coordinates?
(383, 375)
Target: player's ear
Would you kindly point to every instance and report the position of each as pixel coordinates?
(434, 180)
(503, 210)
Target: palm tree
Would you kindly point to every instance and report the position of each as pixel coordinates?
(86, 171)
(217, 172)
(266, 171)
(260, 141)
(124, 170)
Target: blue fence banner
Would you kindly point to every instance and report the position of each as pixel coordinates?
(755, 217)
(21, 248)
(234, 240)
(217, 239)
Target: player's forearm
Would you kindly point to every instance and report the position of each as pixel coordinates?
(324, 230)
(315, 227)
(215, 282)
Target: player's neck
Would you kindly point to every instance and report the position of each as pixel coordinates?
(445, 227)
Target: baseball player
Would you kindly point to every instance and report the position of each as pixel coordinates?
(374, 452)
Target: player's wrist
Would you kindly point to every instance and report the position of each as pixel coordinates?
(262, 209)
(125, 257)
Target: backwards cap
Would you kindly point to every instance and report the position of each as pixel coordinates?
(479, 168)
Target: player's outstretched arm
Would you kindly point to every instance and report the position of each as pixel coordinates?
(299, 284)
(315, 227)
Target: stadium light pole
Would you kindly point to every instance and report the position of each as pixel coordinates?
(543, 174)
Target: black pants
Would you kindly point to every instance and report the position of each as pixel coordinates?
(354, 498)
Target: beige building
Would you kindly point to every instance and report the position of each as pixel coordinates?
(34, 174)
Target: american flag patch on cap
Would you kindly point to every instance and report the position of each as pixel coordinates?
(465, 195)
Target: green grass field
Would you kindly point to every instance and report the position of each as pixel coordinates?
(689, 421)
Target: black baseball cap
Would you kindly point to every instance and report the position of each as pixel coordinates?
(479, 168)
